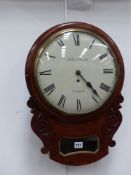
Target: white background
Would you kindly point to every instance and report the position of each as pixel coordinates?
(21, 22)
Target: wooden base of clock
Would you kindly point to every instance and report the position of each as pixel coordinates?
(76, 143)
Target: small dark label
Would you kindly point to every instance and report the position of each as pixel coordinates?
(79, 145)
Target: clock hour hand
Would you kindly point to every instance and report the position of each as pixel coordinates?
(78, 72)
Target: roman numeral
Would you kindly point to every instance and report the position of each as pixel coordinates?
(46, 72)
(105, 87)
(95, 99)
(79, 108)
(103, 56)
(92, 44)
(76, 39)
(60, 43)
(107, 71)
(61, 102)
(48, 55)
(49, 89)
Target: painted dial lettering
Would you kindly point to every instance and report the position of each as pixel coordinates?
(105, 87)
(94, 98)
(76, 38)
(79, 108)
(49, 89)
(48, 55)
(61, 102)
(92, 44)
(107, 71)
(46, 72)
(103, 56)
(60, 43)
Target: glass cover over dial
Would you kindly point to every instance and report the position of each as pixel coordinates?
(76, 71)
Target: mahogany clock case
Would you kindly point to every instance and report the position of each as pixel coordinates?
(57, 129)
(30, 67)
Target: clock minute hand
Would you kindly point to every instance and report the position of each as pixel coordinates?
(95, 92)
(78, 72)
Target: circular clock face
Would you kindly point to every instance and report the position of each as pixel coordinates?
(76, 71)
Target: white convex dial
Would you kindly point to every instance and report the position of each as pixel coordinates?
(76, 72)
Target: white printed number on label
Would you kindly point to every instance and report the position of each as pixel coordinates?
(78, 145)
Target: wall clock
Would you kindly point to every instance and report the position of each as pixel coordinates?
(74, 73)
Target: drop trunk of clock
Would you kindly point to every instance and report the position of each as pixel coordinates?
(79, 142)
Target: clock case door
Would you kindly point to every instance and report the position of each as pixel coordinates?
(56, 128)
